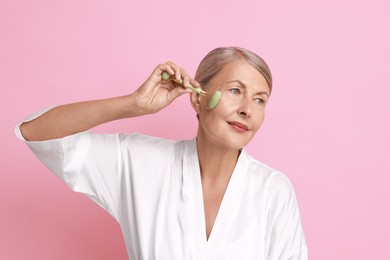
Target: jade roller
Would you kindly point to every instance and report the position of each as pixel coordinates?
(165, 76)
(214, 100)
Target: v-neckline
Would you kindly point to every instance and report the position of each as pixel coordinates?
(227, 207)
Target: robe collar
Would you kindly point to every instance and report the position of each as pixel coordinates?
(227, 209)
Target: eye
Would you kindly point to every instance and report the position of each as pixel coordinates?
(259, 100)
(235, 91)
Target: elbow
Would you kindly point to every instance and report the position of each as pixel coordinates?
(26, 132)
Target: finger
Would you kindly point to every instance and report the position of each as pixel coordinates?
(178, 92)
(195, 83)
(164, 68)
(177, 69)
(177, 73)
(186, 78)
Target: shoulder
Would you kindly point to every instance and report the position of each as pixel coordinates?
(275, 182)
(155, 148)
(136, 139)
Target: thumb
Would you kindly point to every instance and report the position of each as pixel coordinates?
(176, 92)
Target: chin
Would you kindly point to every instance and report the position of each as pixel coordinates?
(235, 143)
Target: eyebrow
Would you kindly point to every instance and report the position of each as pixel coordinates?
(243, 85)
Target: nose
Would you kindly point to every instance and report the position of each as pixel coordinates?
(245, 110)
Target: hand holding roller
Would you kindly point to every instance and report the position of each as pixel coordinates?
(214, 100)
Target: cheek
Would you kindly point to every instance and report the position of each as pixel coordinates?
(228, 100)
(258, 120)
(226, 107)
(212, 121)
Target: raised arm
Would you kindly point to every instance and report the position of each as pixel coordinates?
(151, 97)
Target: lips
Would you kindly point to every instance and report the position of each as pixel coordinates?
(239, 127)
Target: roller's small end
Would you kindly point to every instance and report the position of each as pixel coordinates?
(165, 75)
(214, 100)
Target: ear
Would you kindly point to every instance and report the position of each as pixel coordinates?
(195, 101)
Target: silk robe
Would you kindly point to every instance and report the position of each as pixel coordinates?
(153, 188)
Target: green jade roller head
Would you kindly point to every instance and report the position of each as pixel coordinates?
(214, 100)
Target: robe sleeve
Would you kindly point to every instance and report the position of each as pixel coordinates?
(285, 239)
(87, 163)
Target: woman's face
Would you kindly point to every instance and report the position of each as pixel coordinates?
(240, 112)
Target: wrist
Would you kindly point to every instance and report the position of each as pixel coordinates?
(132, 107)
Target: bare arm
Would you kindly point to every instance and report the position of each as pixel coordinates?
(68, 119)
(77, 117)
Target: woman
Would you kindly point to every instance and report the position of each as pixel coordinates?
(204, 198)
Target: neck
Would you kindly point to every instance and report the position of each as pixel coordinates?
(216, 162)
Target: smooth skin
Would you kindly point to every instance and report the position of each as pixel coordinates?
(244, 96)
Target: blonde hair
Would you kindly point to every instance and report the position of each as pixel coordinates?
(218, 58)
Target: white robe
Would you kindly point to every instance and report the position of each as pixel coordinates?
(153, 188)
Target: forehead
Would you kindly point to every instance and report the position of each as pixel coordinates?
(243, 72)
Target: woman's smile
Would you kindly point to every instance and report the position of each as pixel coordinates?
(238, 127)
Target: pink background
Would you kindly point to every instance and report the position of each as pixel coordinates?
(327, 125)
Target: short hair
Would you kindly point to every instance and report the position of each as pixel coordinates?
(218, 58)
